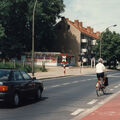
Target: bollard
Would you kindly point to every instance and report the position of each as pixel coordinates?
(64, 69)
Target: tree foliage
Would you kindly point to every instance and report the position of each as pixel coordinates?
(110, 42)
(16, 25)
(2, 32)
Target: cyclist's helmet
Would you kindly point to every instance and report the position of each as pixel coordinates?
(100, 60)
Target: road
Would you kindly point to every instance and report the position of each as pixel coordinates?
(63, 99)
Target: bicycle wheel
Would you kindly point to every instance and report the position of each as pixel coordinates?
(100, 91)
(104, 90)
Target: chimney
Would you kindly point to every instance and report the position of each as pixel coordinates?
(89, 29)
(92, 30)
(80, 24)
(98, 34)
(76, 22)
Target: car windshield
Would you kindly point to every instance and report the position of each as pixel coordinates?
(4, 75)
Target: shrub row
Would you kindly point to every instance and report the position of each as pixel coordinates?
(27, 68)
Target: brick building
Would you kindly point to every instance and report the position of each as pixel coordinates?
(75, 39)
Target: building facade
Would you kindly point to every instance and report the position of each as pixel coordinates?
(48, 58)
(75, 39)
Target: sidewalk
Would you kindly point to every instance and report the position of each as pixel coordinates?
(59, 72)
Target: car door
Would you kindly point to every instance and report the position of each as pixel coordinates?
(20, 83)
(30, 84)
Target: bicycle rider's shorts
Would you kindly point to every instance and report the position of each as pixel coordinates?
(100, 75)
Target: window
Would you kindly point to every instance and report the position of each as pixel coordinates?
(17, 76)
(25, 75)
(4, 75)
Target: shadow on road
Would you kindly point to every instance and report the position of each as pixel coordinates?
(23, 103)
(108, 93)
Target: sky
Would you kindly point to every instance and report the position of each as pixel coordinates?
(99, 14)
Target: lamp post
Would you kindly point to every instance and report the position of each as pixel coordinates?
(33, 18)
(101, 38)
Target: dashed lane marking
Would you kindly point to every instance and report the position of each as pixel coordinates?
(77, 112)
(116, 86)
(75, 82)
(55, 86)
(66, 84)
(92, 102)
(101, 102)
(111, 89)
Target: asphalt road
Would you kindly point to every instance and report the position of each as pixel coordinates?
(63, 99)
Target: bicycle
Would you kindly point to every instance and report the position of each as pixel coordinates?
(100, 88)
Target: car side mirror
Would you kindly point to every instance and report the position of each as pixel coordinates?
(34, 78)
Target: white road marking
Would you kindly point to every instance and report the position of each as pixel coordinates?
(75, 82)
(102, 102)
(77, 112)
(55, 86)
(116, 86)
(90, 79)
(89, 75)
(45, 88)
(84, 80)
(66, 84)
(114, 76)
(92, 102)
(111, 89)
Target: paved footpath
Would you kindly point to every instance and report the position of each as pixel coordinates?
(108, 111)
(59, 72)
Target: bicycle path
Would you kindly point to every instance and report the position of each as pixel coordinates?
(108, 111)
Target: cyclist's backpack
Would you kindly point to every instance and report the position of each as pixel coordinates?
(106, 81)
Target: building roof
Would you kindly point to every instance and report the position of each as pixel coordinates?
(88, 31)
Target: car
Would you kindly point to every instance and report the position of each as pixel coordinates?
(16, 85)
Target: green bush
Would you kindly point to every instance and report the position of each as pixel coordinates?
(43, 69)
(6, 65)
(27, 68)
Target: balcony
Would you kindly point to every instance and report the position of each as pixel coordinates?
(84, 50)
(84, 40)
(93, 42)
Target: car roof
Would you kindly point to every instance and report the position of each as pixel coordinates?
(8, 69)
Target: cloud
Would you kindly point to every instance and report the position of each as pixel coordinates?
(95, 13)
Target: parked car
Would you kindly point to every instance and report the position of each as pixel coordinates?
(16, 85)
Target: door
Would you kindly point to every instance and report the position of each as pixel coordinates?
(30, 84)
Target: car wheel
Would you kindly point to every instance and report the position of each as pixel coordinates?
(16, 99)
(39, 93)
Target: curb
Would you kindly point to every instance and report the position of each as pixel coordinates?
(63, 76)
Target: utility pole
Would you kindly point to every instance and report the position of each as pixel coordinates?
(33, 21)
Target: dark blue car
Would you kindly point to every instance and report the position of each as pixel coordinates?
(16, 85)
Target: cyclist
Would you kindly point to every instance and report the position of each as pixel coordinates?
(100, 69)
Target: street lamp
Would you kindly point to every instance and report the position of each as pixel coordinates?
(33, 16)
(101, 38)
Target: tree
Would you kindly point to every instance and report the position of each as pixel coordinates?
(16, 19)
(2, 32)
(110, 47)
(13, 18)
